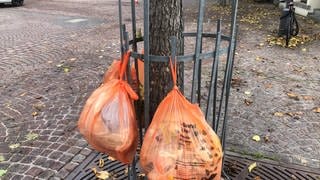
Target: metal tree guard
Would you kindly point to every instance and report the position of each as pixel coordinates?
(217, 104)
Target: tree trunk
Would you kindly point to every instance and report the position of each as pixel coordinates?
(165, 21)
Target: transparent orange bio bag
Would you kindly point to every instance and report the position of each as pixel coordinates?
(179, 144)
(108, 119)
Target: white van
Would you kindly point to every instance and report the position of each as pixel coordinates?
(13, 2)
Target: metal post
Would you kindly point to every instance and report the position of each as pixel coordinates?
(214, 78)
(197, 51)
(146, 64)
(120, 25)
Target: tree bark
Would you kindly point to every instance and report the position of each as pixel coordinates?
(165, 21)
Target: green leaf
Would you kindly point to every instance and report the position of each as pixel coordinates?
(14, 146)
(2, 172)
(31, 136)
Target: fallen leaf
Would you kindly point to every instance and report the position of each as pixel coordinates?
(256, 138)
(247, 93)
(100, 57)
(308, 98)
(141, 175)
(2, 158)
(268, 85)
(257, 178)
(23, 94)
(102, 50)
(293, 96)
(279, 114)
(35, 113)
(94, 170)
(266, 138)
(126, 170)
(316, 110)
(72, 59)
(2, 172)
(66, 69)
(59, 65)
(14, 146)
(252, 166)
(111, 158)
(304, 49)
(103, 175)
(101, 163)
(258, 58)
(38, 106)
(31, 136)
(248, 102)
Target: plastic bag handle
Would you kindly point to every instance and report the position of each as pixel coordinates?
(173, 71)
(124, 63)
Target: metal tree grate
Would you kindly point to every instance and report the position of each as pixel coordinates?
(235, 166)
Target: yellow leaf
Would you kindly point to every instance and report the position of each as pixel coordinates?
(316, 110)
(293, 96)
(247, 92)
(304, 49)
(2, 158)
(279, 114)
(308, 98)
(101, 163)
(256, 138)
(31, 136)
(94, 170)
(103, 175)
(14, 146)
(35, 113)
(141, 175)
(111, 158)
(252, 166)
(66, 69)
(258, 58)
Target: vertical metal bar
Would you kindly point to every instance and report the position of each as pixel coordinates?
(229, 55)
(214, 78)
(146, 64)
(197, 51)
(134, 26)
(120, 25)
(199, 76)
(230, 60)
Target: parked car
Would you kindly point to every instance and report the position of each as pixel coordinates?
(13, 2)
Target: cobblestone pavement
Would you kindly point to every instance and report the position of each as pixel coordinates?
(53, 55)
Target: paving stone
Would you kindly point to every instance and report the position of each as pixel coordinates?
(78, 158)
(34, 171)
(46, 174)
(66, 158)
(28, 159)
(74, 150)
(70, 166)
(64, 148)
(56, 155)
(17, 177)
(19, 168)
(16, 157)
(55, 165)
(85, 151)
(28, 178)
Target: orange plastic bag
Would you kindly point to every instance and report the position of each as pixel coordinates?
(108, 119)
(179, 144)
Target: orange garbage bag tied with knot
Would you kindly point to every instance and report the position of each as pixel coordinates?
(108, 120)
(179, 144)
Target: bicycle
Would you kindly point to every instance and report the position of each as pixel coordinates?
(288, 22)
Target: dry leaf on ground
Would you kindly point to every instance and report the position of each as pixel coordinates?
(248, 102)
(101, 163)
(252, 166)
(293, 96)
(279, 114)
(308, 98)
(256, 138)
(34, 113)
(316, 110)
